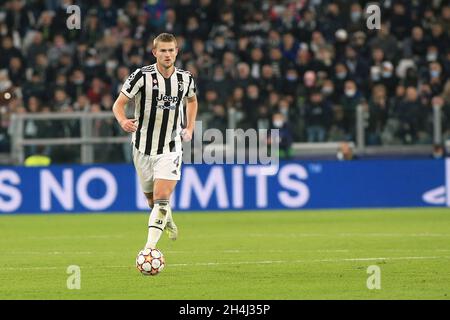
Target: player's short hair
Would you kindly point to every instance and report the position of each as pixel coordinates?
(164, 37)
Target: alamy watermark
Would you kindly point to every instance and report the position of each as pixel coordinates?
(74, 279)
(374, 280)
(373, 16)
(234, 146)
(74, 20)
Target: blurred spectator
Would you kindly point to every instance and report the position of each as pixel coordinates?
(220, 83)
(256, 59)
(438, 102)
(252, 100)
(8, 52)
(269, 82)
(219, 118)
(285, 138)
(385, 40)
(78, 85)
(18, 17)
(289, 47)
(38, 46)
(438, 151)
(345, 152)
(16, 71)
(331, 20)
(351, 99)
(409, 112)
(356, 66)
(317, 117)
(290, 82)
(36, 86)
(276, 61)
(242, 78)
(96, 90)
(415, 46)
(329, 92)
(379, 112)
(92, 30)
(400, 21)
(107, 13)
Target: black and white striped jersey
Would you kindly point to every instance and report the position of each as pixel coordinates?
(159, 107)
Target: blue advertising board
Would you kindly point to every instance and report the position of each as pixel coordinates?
(290, 185)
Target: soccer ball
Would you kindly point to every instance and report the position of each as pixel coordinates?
(150, 262)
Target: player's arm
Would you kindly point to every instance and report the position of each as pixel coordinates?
(129, 89)
(191, 115)
(128, 125)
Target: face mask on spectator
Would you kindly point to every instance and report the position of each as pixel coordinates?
(291, 77)
(284, 110)
(327, 90)
(435, 73)
(387, 74)
(375, 76)
(111, 64)
(91, 62)
(431, 57)
(355, 16)
(341, 75)
(5, 84)
(350, 93)
(278, 123)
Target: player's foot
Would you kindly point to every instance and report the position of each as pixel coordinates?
(171, 229)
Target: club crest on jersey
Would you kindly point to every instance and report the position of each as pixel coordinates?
(166, 98)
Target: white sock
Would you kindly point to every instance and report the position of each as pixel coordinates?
(169, 215)
(157, 222)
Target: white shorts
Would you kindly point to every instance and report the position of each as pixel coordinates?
(165, 166)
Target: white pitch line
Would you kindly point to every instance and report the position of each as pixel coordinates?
(394, 234)
(197, 264)
(280, 235)
(73, 237)
(68, 253)
(306, 261)
(3, 253)
(48, 253)
(264, 251)
(305, 235)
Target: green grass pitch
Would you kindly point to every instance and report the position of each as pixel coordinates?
(231, 255)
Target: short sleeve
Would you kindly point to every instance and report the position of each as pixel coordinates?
(133, 83)
(192, 90)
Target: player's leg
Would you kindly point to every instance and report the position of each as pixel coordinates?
(144, 169)
(149, 197)
(171, 227)
(167, 172)
(161, 210)
(169, 168)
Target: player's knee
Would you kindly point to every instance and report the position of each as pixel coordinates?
(161, 195)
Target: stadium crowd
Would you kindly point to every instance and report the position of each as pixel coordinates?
(302, 66)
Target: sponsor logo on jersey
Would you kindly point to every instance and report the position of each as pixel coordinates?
(166, 98)
(169, 107)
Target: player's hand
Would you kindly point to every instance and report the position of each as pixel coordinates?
(186, 135)
(129, 125)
